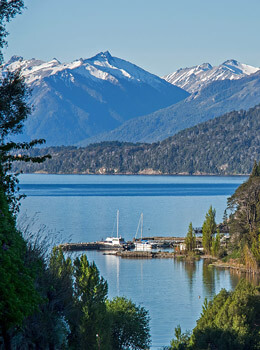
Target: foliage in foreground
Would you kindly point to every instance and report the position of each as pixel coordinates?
(244, 221)
(230, 321)
(129, 325)
(18, 297)
(65, 306)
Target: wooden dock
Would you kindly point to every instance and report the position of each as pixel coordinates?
(158, 241)
(145, 254)
(79, 246)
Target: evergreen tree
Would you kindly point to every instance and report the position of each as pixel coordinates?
(230, 321)
(225, 217)
(61, 269)
(208, 229)
(181, 340)
(216, 244)
(190, 239)
(90, 292)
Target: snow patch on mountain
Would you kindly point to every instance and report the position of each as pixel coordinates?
(101, 67)
(195, 78)
(77, 100)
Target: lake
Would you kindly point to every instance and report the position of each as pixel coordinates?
(82, 208)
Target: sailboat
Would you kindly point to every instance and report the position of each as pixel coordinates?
(117, 241)
(141, 245)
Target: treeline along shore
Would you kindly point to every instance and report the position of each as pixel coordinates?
(227, 145)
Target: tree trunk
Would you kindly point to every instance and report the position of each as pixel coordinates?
(7, 339)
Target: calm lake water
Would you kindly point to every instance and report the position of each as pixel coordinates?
(83, 208)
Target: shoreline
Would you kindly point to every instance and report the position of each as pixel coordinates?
(235, 266)
(134, 174)
(172, 255)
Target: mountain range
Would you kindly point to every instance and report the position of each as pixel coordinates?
(215, 99)
(195, 78)
(105, 98)
(75, 101)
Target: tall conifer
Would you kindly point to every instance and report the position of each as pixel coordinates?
(208, 229)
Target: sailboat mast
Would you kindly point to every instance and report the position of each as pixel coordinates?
(117, 223)
(142, 222)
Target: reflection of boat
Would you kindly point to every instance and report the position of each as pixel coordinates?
(115, 242)
(141, 245)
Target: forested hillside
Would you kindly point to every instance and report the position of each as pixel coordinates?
(224, 145)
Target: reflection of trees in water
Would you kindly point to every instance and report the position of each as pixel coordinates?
(190, 269)
(209, 277)
(236, 275)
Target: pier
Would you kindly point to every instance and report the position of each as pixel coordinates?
(79, 246)
(157, 241)
(144, 254)
(93, 246)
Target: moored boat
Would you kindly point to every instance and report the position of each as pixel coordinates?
(142, 245)
(115, 242)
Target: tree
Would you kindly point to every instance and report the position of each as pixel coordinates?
(90, 293)
(208, 229)
(129, 325)
(18, 297)
(225, 217)
(230, 321)
(181, 340)
(245, 219)
(190, 239)
(8, 10)
(14, 110)
(216, 244)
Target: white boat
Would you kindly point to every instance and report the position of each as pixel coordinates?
(118, 241)
(142, 245)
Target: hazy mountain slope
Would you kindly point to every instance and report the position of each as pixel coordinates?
(197, 77)
(224, 145)
(214, 100)
(83, 98)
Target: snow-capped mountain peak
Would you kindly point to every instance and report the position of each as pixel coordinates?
(76, 100)
(195, 78)
(239, 68)
(102, 66)
(101, 56)
(204, 66)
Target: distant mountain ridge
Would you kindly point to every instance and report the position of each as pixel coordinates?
(81, 99)
(197, 77)
(227, 145)
(217, 98)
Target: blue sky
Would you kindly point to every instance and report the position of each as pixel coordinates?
(161, 36)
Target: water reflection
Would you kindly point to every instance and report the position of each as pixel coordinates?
(236, 275)
(112, 263)
(190, 269)
(209, 278)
